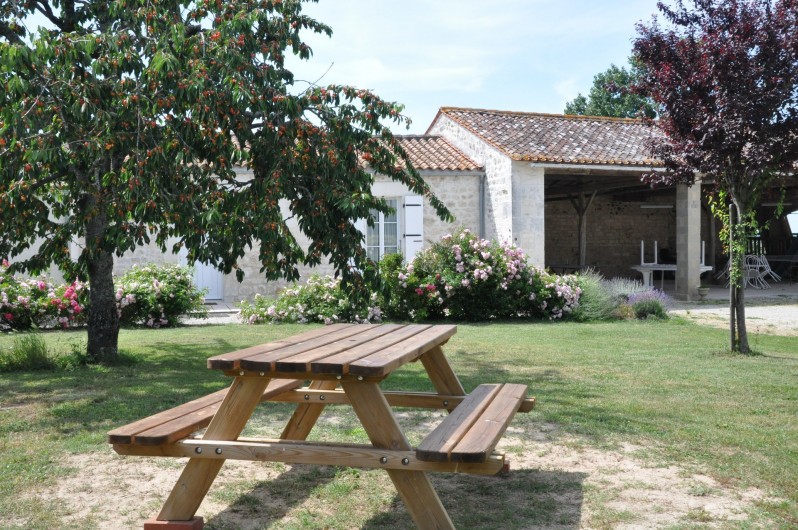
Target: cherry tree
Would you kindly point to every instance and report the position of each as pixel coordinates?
(124, 120)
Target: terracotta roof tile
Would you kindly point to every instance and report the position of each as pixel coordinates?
(559, 139)
(436, 153)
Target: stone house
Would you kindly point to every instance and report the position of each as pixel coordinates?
(566, 189)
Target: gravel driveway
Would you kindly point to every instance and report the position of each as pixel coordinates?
(766, 316)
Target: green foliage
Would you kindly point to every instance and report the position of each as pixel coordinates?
(158, 296)
(320, 299)
(72, 359)
(617, 299)
(649, 308)
(612, 95)
(624, 287)
(28, 352)
(652, 303)
(597, 302)
(463, 277)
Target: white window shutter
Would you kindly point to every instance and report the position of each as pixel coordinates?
(413, 206)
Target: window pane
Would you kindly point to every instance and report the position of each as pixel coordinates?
(391, 217)
(373, 235)
(373, 253)
(390, 235)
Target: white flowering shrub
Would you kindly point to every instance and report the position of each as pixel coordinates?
(320, 299)
(464, 277)
(158, 296)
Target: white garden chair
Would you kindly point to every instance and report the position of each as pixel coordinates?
(754, 272)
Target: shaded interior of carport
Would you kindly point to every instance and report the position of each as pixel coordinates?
(599, 218)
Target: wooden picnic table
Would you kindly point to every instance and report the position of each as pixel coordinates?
(338, 364)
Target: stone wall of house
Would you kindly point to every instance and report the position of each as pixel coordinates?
(148, 254)
(498, 172)
(614, 231)
(460, 194)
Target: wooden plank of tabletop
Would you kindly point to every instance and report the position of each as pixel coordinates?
(265, 362)
(338, 363)
(230, 360)
(383, 362)
(301, 361)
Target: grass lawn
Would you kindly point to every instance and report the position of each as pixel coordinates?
(666, 386)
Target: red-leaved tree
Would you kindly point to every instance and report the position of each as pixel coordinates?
(725, 76)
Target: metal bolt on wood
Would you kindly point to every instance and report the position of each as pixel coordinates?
(262, 374)
(445, 402)
(218, 450)
(405, 461)
(360, 378)
(383, 460)
(241, 372)
(338, 377)
(307, 397)
(198, 450)
(322, 397)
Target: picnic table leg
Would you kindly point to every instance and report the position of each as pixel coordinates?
(414, 487)
(228, 422)
(440, 373)
(306, 414)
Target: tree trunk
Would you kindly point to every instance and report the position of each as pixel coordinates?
(103, 319)
(742, 333)
(737, 329)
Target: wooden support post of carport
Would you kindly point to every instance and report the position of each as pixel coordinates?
(582, 204)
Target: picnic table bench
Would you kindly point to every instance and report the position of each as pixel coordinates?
(341, 364)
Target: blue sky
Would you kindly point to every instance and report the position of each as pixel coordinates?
(521, 55)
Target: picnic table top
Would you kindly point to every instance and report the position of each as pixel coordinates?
(367, 350)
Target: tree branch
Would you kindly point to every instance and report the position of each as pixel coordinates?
(9, 34)
(44, 9)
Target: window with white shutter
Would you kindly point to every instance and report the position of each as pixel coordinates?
(383, 237)
(413, 225)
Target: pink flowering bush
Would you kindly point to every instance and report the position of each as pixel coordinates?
(153, 296)
(464, 277)
(320, 299)
(29, 302)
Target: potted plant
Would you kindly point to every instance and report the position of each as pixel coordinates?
(703, 291)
